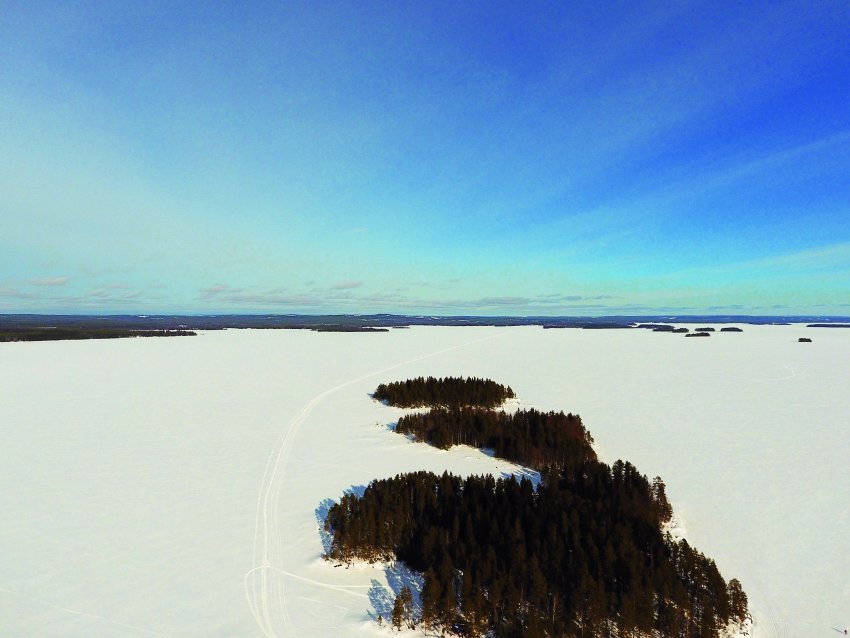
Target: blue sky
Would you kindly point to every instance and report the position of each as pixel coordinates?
(462, 158)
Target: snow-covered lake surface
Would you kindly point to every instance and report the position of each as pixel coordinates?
(171, 487)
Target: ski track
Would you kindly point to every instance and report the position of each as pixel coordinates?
(266, 598)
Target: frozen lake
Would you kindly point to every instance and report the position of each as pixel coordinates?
(170, 487)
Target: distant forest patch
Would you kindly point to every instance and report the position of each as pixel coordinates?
(828, 325)
(583, 554)
(65, 334)
(338, 328)
(442, 393)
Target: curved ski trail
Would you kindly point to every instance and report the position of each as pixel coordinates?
(264, 582)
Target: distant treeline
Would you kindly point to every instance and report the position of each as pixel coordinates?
(338, 322)
(583, 555)
(527, 437)
(338, 328)
(448, 392)
(63, 334)
(598, 325)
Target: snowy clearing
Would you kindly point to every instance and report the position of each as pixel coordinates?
(174, 487)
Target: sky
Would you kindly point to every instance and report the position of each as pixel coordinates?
(472, 158)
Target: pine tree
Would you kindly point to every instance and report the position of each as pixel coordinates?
(398, 613)
(431, 600)
(737, 601)
(659, 495)
(407, 602)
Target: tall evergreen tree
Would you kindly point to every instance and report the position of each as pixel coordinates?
(398, 613)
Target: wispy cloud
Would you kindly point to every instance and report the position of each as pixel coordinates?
(13, 293)
(812, 260)
(277, 299)
(815, 258)
(557, 298)
(213, 292)
(101, 298)
(347, 285)
(49, 281)
(114, 293)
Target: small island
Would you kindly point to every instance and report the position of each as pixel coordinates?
(443, 393)
(731, 329)
(662, 328)
(584, 552)
(804, 340)
(698, 334)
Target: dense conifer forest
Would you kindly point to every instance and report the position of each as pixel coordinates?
(527, 437)
(581, 555)
(448, 392)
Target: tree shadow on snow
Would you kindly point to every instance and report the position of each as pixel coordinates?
(322, 515)
(398, 577)
(384, 402)
(381, 600)
(522, 473)
(381, 597)
(357, 490)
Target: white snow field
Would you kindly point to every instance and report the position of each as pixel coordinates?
(173, 487)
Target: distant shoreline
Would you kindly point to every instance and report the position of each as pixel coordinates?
(32, 327)
(310, 321)
(82, 333)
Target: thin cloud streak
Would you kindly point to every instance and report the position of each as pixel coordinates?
(815, 259)
(49, 281)
(347, 285)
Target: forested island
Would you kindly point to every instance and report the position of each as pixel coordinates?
(583, 554)
(828, 325)
(439, 393)
(528, 437)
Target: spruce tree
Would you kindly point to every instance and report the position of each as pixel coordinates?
(398, 613)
